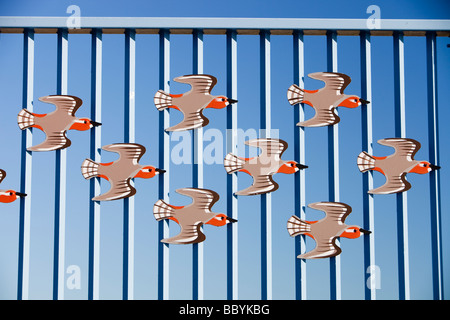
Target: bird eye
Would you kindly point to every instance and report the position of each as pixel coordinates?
(84, 121)
(423, 164)
(10, 193)
(223, 99)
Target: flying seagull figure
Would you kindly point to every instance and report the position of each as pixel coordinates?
(325, 231)
(193, 102)
(193, 216)
(120, 172)
(262, 167)
(325, 100)
(56, 123)
(395, 166)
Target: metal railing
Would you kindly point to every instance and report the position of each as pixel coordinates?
(231, 28)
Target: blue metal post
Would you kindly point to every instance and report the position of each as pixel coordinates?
(232, 201)
(367, 141)
(435, 187)
(266, 198)
(95, 146)
(400, 131)
(60, 178)
(333, 169)
(299, 153)
(129, 137)
(164, 161)
(197, 171)
(25, 173)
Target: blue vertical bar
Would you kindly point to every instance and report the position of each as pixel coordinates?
(367, 141)
(95, 147)
(197, 171)
(129, 137)
(333, 169)
(164, 157)
(60, 178)
(266, 199)
(232, 201)
(400, 132)
(435, 184)
(25, 173)
(299, 153)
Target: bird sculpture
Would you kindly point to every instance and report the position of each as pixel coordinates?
(8, 196)
(193, 102)
(262, 167)
(56, 123)
(193, 216)
(325, 100)
(120, 172)
(325, 231)
(396, 166)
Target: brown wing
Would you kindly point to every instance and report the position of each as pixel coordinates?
(325, 248)
(192, 120)
(128, 152)
(64, 103)
(188, 234)
(271, 149)
(336, 212)
(394, 184)
(119, 190)
(404, 148)
(261, 184)
(53, 141)
(333, 80)
(2, 175)
(200, 83)
(202, 199)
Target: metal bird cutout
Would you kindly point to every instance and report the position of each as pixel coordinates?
(326, 99)
(325, 231)
(193, 102)
(193, 216)
(120, 172)
(7, 196)
(56, 123)
(396, 166)
(262, 168)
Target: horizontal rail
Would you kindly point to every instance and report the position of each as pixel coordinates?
(220, 25)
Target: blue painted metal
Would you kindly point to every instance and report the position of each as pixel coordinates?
(232, 200)
(25, 173)
(333, 169)
(164, 161)
(367, 140)
(95, 147)
(129, 137)
(300, 176)
(400, 131)
(197, 171)
(60, 178)
(435, 187)
(266, 199)
(225, 23)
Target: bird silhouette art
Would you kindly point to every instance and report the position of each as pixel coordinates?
(7, 196)
(325, 100)
(56, 123)
(120, 172)
(193, 102)
(325, 231)
(193, 216)
(396, 166)
(262, 167)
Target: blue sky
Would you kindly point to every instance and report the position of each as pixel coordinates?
(353, 273)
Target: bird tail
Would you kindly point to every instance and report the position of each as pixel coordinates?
(295, 94)
(365, 162)
(296, 226)
(25, 119)
(162, 100)
(162, 210)
(89, 169)
(233, 163)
